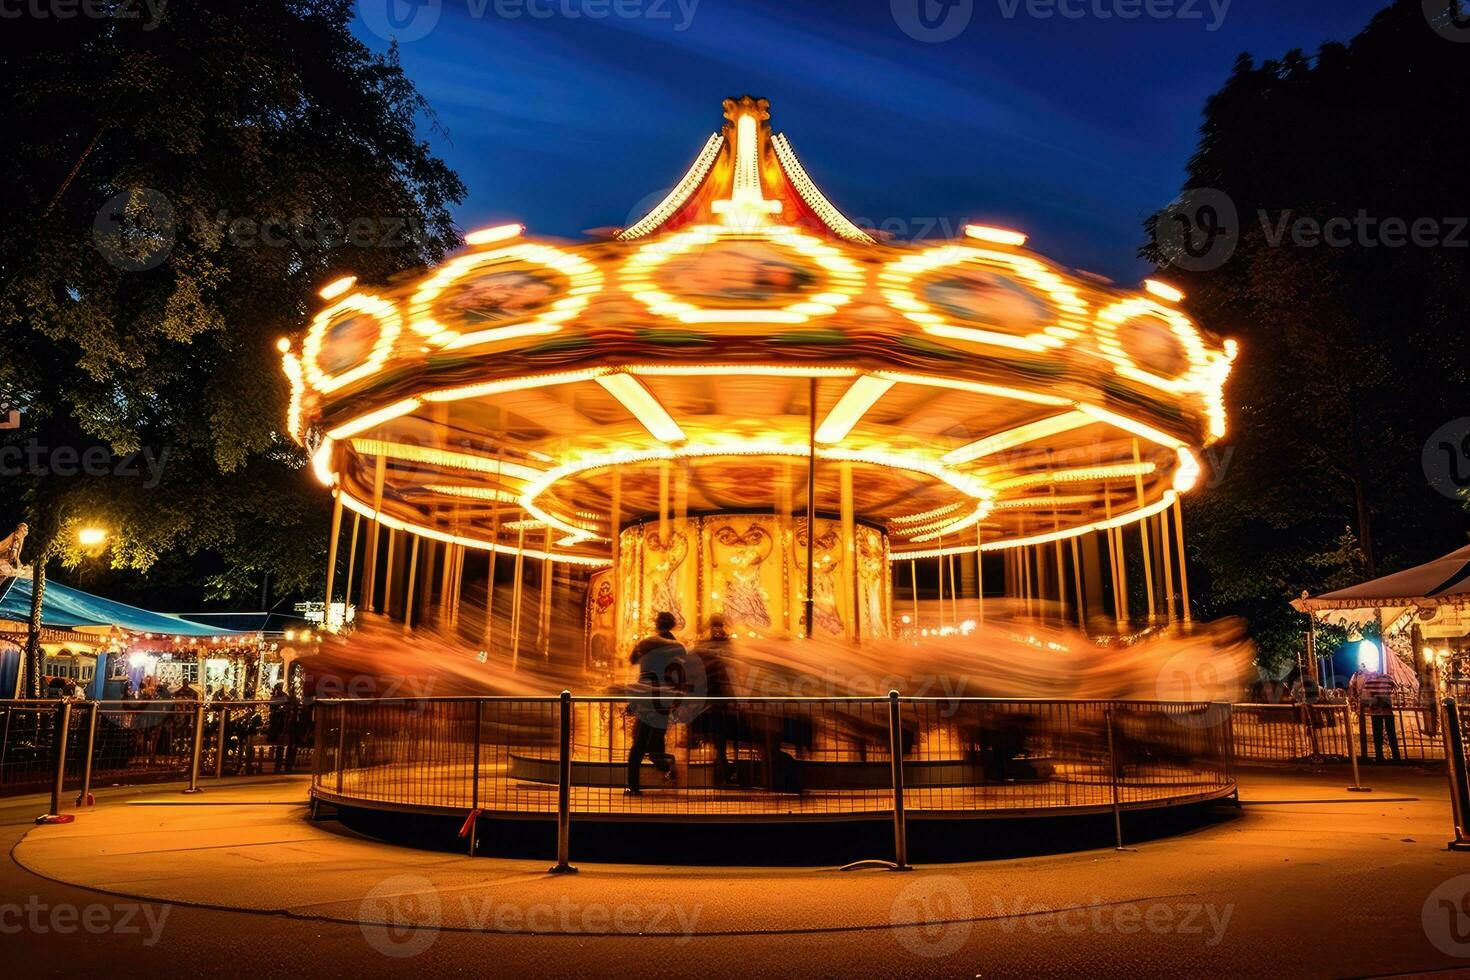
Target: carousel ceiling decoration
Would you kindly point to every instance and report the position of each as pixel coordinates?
(979, 394)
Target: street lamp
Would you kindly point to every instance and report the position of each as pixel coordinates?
(92, 537)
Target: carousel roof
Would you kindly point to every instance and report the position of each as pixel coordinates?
(978, 391)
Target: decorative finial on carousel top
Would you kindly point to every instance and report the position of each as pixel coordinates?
(748, 105)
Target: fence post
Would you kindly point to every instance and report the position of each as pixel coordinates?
(895, 752)
(58, 742)
(198, 747)
(564, 789)
(1454, 761)
(475, 777)
(1357, 786)
(84, 797)
(1113, 779)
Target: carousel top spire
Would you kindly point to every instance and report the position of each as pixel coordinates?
(745, 179)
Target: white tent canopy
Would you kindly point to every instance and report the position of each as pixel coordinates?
(1444, 581)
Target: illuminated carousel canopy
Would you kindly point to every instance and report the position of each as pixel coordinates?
(977, 393)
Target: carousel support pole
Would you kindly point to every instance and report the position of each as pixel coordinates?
(426, 580)
(1185, 613)
(1115, 562)
(954, 592)
(387, 603)
(1168, 555)
(1061, 581)
(370, 565)
(413, 571)
(331, 559)
(351, 565)
(1148, 565)
(808, 606)
(615, 530)
(914, 590)
(849, 549)
(446, 584)
(1077, 584)
(517, 581)
(979, 576)
(543, 618)
(489, 640)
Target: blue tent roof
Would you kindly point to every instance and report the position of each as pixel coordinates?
(63, 607)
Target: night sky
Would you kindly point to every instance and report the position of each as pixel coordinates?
(1072, 130)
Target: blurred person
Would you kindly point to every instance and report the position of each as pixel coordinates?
(660, 662)
(1373, 690)
(708, 676)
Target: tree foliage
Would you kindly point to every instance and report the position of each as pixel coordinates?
(171, 197)
(1352, 351)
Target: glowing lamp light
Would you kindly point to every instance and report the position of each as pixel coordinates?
(1162, 290)
(91, 537)
(1370, 657)
(337, 287)
(1000, 236)
(284, 345)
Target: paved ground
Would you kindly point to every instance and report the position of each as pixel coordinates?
(1309, 880)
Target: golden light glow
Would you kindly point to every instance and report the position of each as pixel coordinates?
(1018, 436)
(581, 276)
(1077, 474)
(1129, 425)
(499, 233)
(291, 364)
(897, 279)
(1000, 236)
(351, 503)
(1163, 290)
(1118, 520)
(446, 458)
(337, 287)
(321, 463)
(746, 209)
(373, 419)
(383, 313)
(645, 408)
(845, 278)
(91, 537)
(851, 407)
(1207, 369)
(1186, 475)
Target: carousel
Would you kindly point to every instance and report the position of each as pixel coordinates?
(743, 404)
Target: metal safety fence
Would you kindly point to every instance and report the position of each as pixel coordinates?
(75, 745)
(1323, 732)
(769, 759)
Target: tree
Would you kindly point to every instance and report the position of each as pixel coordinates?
(1345, 289)
(172, 195)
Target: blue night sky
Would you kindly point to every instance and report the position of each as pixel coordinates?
(1071, 129)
